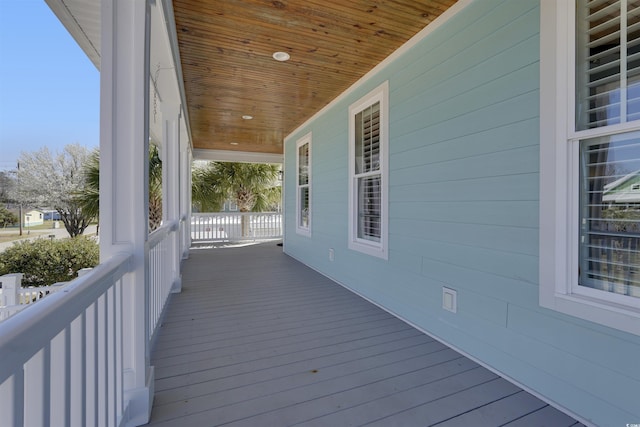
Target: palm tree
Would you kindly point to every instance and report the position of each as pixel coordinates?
(251, 186)
(155, 188)
(89, 197)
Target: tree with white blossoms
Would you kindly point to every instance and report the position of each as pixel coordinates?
(55, 180)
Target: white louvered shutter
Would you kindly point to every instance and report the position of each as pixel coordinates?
(607, 63)
(368, 173)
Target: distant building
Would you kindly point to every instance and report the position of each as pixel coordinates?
(625, 190)
(230, 206)
(51, 215)
(33, 218)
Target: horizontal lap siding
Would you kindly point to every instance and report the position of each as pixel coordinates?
(463, 212)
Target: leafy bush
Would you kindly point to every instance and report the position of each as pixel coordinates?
(6, 217)
(45, 262)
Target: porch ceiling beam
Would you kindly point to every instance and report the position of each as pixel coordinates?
(237, 156)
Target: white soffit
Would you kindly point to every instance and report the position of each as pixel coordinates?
(81, 18)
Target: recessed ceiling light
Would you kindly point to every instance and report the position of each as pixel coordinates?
(233, 143)
(281, 56)
(247, 117)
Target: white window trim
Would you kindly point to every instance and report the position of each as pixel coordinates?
(304, 231)
(377, 249)
(558, 177)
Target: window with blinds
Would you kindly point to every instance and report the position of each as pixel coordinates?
(303, 217)
(369, 208)
(607, 62)
(608, 93)
(609, 252)
(367, 172)
(303, 185)
(590, 161)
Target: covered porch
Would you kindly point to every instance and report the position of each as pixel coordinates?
(170, 335)
(256, 338)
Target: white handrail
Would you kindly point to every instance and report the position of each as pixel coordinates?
(62, 360)
(235, 226)
(23, 335)
(159, 234)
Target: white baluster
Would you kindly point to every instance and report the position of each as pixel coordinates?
(11, 284)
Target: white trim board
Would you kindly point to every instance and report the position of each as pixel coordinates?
(236, 156)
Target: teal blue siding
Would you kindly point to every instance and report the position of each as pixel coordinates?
(463, 212)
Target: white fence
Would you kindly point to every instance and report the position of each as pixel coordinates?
(14, 297)
(63, 360)
(230, 227)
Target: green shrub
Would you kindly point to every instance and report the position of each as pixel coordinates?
(45, 262)
(7, 218)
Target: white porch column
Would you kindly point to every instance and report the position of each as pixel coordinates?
(171, 183)
(124, 140)
(185, 194)
(170, 161)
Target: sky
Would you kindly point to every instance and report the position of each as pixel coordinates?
(49, 89)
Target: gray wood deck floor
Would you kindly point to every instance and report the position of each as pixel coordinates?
(257, 339)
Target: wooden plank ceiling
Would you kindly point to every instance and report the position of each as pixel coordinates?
(226, 49)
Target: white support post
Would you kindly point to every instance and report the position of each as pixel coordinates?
(11, 284)
(124, 141)
(170, 161)
(171, 184)
(185, 194)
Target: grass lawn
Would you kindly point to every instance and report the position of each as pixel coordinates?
(13, 233)
(13, 237)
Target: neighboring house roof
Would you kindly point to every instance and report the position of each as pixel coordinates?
(623, 190)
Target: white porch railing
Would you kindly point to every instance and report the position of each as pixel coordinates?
(65, 354)
(14, 297)
(62, 360)
(235, 226)
(8, 311)
(164, 257)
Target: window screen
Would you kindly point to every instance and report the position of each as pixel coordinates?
(610, 214)
(303, 184)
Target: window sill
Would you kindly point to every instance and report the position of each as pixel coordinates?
(613, 315)
(303, 232)
(375, 250)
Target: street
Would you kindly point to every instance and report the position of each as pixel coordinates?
(59, 233)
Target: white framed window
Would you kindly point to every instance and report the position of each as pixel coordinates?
(590, 160)
(303, 185)
(368, 159)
